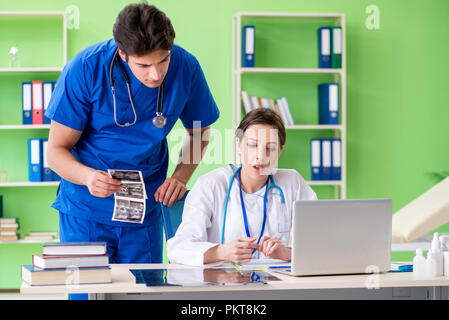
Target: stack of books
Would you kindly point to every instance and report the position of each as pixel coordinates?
(8, 229)
(71, 263)
(41, 236)
(280, 106)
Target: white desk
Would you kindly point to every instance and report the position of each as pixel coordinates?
(384, 286)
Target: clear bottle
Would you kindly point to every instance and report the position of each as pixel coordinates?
(444, 241)
(431, 265)
(437, 253)
(14, 62)
(419, 264)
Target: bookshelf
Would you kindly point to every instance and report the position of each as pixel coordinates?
(11, 128)
(337, 75)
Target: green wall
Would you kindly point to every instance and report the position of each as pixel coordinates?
(396, 94)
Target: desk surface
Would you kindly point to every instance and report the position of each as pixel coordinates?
(123, 281)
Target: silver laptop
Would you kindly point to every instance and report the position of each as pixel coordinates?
(341, 237)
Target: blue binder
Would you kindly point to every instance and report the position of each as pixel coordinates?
(324, 47)
(328, 105)
(47, 91)
(248, 46)
(27, 116)
(326, 159)
(336, 159)
(35, 159)
(315, 158)
(47, 173)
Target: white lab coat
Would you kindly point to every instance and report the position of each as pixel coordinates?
(202, 218)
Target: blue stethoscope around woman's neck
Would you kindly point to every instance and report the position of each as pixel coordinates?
(242, 202)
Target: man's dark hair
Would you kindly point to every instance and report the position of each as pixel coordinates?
(263, 116)
(142, 28)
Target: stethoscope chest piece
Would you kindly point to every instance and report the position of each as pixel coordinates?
(159, 120)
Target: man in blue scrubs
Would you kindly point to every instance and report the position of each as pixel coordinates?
(90, 133)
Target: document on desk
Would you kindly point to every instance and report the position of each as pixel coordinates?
(193, 277)
(262, 264)
(130, 200)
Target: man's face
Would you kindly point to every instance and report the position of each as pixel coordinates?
(149, 68)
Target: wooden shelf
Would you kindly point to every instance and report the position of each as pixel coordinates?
(314, 127)
(290, 70)
(33, 13)
(324, 183)
(24, 126)
(22, 241)
(301, 15)
(30, 184)
(31, 69)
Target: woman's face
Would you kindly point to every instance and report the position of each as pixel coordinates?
(259, 150)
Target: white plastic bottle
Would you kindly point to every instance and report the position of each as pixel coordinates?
(431, 265)
(437, 253)
(444, 248)
(419, 264)
(446, 263)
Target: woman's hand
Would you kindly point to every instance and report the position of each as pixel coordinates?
(274, 248)
(238, 251)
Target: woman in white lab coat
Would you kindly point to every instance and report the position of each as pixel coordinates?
(200, 238)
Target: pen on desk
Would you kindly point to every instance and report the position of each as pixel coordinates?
(279, 267)
(235, 265)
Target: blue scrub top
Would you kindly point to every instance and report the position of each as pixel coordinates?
(82, 100)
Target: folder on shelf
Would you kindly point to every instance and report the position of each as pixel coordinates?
(47, 173)
(315, 158)
(328, 103)
(336, 159)
(336, 47)
(38, 102)
(248, 46)
(324, 47)
(326, 159)
(246, 102)
(35, 159)
(26, 103)
(47, 91)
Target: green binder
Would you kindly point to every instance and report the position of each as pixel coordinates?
(336, 45)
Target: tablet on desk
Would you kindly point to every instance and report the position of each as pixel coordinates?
(201, 277)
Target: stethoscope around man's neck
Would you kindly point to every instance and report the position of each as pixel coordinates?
(242, 203)
(159, 120)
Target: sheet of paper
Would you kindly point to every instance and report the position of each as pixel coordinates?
(129, 201)
(261, 264)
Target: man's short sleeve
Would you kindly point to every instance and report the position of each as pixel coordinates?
(201, 105)
(69, 104)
